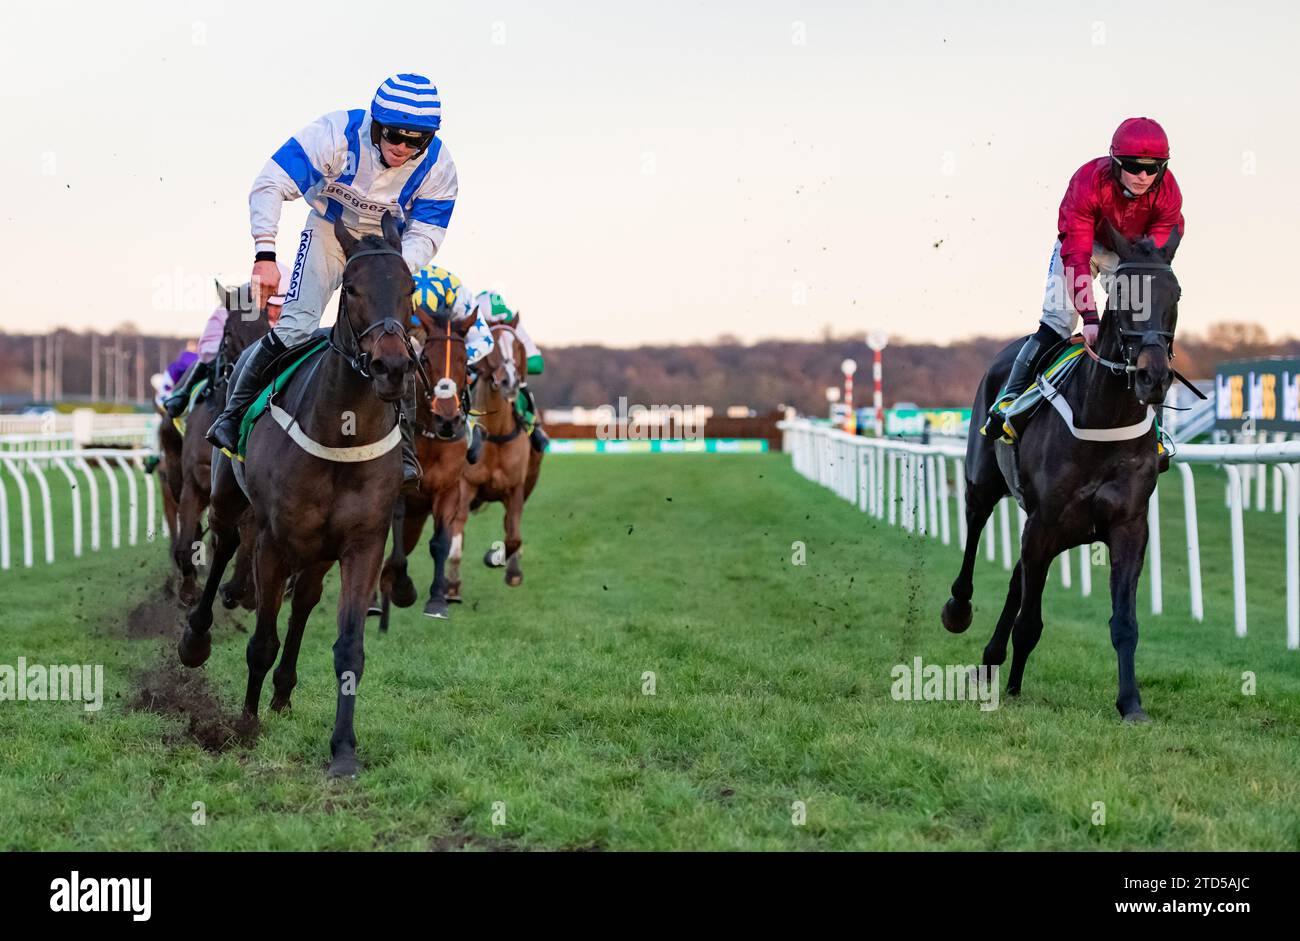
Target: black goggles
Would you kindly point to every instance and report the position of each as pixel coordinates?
(1136, 165)
(396, 135)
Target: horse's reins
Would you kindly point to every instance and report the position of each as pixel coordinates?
(360, 360)
(1129, 338)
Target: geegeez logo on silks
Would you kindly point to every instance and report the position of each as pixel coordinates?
(369, 209)
(76, 894)
(295, 280)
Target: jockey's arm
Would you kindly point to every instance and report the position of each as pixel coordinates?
(535, 361)
(319, 151)
(430, 213)
(1077, 225)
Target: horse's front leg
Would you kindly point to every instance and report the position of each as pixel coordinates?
(980, 502)
(1128, 546)
(514, 541)
(440, 547)
(306, 594)
(457, 547)
(359, 569)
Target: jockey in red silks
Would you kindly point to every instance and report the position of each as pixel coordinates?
(1133, 190)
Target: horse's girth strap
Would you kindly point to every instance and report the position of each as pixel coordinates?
(1126, 433)
(353, 455)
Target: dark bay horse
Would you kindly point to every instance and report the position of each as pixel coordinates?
(322, 486)
(508, 468)
(244, 327)
(440, 444)
(1081, 491)
(170, 445)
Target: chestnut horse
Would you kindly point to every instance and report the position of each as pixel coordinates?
(317, 495)
(507, 469)
(440, 445)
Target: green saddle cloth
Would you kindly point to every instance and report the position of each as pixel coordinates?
(263, 400)
(1056, 373)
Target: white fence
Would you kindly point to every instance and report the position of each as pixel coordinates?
(33, 475)
(23, 434)
(908, 485)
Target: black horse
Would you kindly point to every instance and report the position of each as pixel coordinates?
(1077, 492)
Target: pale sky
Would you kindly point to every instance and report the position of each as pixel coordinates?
(661, 172)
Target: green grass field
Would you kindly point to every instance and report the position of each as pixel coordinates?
(772, 685)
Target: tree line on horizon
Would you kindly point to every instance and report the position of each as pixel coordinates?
(726, 372)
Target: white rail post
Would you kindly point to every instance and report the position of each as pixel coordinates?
(1153, 551)
(114, 502)
(47, 511)
(1292, 518)
(892, 474)
(1064, 560)
(4, 525)
(1193, 542)
(1238, 549)
(1085, 569)
(932, 493)
(25, 507)
(1005, 514)
(959, 484)
(880, 482)
(945, 534)
(94, 502)
(62, 465)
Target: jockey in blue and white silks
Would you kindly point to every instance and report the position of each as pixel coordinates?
(354, 166)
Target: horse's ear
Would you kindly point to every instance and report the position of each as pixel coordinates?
(391, 234)
(223, 294)
(345, 237)
(1171, 245)
(515, 322)
(1123, 247)
(463, 325)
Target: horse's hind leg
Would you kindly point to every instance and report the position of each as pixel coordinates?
(995, 653)
(359, 569)
(306, 595)
(239, 590)
(1128, 545)
(271, 572)
(188, 540)
(980, 501)
(1036, 554)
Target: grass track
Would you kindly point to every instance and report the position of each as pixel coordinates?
(772, 686)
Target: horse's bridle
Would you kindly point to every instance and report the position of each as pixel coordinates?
(445, 387)
(349, 344)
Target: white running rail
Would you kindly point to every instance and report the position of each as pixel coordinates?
(908, 485)
(34, 474)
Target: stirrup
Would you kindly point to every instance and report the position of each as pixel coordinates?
(1009, 435)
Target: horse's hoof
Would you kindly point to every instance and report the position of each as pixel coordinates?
(229, 601)
(189, 593)
(194, 649)
(956, 615)
(514, 580)
(279, 703)
(344, 766)
(1137, 717)
(494, 558)
(404, 592)
(436, 609)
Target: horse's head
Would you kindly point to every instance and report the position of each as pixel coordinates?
(245, 324)
(1142, 313)
(505, 365)
(445, 363)
(374, 307)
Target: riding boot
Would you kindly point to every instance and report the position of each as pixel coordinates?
(252, 379)
(412, 474)
(179, 400)
(537, 438)
(1022, 373)
(475, 444)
